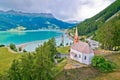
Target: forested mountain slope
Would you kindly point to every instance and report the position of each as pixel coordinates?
(92, 24)
(109, 34)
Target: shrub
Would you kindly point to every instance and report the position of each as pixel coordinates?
(66, 44)
(13, 47)
(20, 49)
(103, 64)
(1, 45)
(24, 50)
(61, 44)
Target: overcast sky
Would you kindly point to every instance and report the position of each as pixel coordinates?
(62, 9)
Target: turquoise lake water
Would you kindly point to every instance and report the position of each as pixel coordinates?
(29, 36)
(32, 39)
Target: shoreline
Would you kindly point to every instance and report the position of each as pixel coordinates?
(36, 30)
(28, 43)
(31, 46)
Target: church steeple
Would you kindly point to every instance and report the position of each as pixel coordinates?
(76, 38)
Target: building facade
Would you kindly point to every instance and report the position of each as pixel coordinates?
(81, 51)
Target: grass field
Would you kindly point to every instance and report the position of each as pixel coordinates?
(59, 67)
(90, 73)
(6, 59)
(64, 50)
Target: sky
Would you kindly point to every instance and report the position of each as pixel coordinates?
(65, 10)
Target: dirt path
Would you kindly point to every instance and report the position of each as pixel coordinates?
(71, 64)
(10, 50)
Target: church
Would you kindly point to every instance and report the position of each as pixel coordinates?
(81, 51)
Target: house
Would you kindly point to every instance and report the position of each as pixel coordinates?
(93, 44)
(81, 51)
(61, 55)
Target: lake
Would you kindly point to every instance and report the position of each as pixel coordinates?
(31, 39)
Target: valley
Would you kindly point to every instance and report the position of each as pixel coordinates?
(56, 46)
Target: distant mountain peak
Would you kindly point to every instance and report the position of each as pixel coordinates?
(49, 15)
(11, 11)
(31, 21)
(46, 15)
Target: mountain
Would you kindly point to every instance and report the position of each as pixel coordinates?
(31, 21)
(89, 26)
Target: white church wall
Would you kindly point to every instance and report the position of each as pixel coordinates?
(81, 57)
(88, 58)
(78, 57)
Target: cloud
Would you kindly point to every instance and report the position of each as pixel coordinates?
(88, 10)
(62, 9)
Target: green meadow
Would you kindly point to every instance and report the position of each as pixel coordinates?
(64, 50)
(6, 59)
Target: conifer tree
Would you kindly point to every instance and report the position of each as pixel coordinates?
(35, 66)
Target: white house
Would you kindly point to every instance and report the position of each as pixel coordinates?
(93, 44)
(81, 51)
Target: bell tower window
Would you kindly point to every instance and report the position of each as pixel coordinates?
(85, 57)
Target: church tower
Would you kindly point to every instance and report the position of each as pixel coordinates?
(76, 39)
(62, 40)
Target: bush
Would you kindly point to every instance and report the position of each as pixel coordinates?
(103, 64)
(61, 44)
(20, 49)
(24, 50)
(1, 45)
(13, 47)
(66, 44)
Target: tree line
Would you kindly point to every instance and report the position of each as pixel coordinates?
(109, 34)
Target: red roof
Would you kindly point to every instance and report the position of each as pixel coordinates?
(82, 47)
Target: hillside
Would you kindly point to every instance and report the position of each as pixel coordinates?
(90, 73)
(109, 33)
(31, 21)
(6, 59)
(92, 24)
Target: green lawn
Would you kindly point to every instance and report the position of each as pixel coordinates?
(59, 67)
(64, 50)
(6, 59)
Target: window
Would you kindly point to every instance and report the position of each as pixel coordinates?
(85, 57)
(79, 56)
(75, 55)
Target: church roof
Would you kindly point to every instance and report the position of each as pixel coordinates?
(82, 47)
